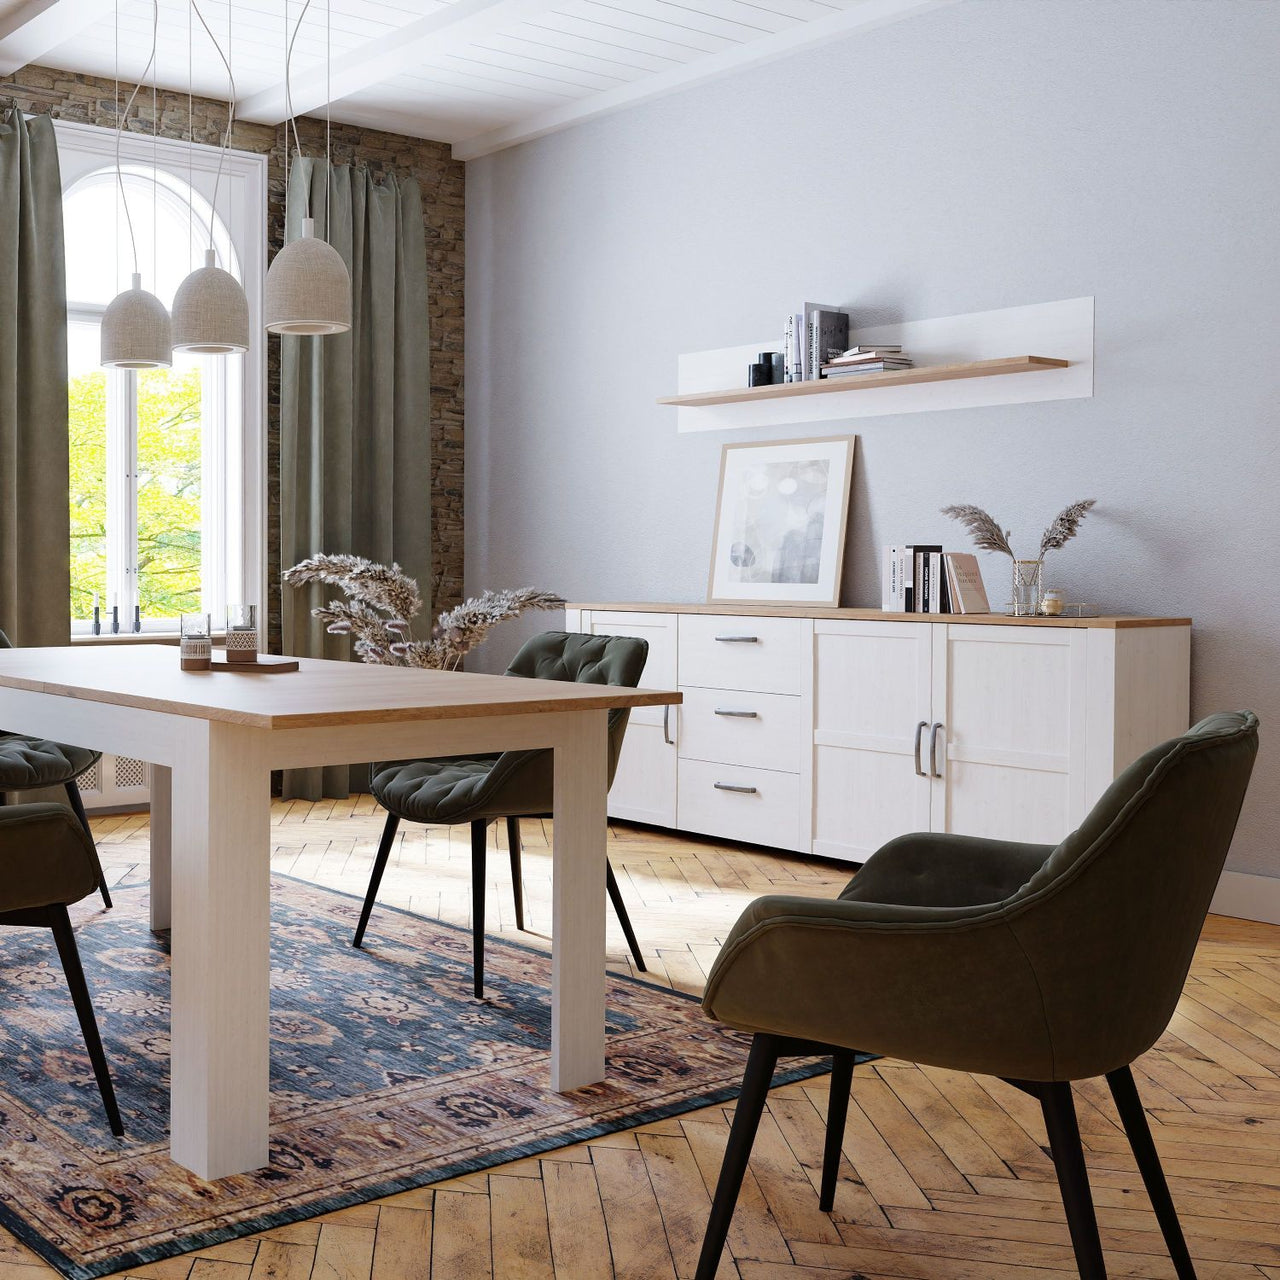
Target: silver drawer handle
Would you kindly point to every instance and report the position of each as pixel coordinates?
(733, 786)
(920, 728)
(666, 726)
(738, 639)
(741, 715)
(933, 749)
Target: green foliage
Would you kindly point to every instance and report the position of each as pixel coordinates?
(168, 491)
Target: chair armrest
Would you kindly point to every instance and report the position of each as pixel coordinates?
(45, 857)
(949, 986)
(927, 869)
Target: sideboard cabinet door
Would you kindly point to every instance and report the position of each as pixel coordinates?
(872, 693)
(644, 788)
(1010, 752)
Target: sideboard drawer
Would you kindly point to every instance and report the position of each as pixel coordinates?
(761, 654)
(759, 806)
(759, 730)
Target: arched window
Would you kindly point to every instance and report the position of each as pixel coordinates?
(164, 517)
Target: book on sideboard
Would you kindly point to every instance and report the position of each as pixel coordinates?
(923, 578)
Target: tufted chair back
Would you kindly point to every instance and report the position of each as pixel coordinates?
(584, 659)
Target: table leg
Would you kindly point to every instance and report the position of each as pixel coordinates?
(577, 901)
(161, 844)
(221, 953)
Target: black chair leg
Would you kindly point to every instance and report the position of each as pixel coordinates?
(517, 876)
(479, 851)
(837, 1110)
(1134, 1119)
(746, 1120)
(615, 896)
(1073, 1178)
(379, 866)
(69, 954)
(77, 807)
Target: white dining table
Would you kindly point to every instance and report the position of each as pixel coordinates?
(213, 738)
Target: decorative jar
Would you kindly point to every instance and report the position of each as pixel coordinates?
(242, 633)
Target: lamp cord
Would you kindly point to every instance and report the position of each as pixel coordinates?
(288, 90)
(124, 199)
(231, 107)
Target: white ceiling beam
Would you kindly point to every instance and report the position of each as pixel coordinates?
(858, 17)
(32, 29)
(451, 27)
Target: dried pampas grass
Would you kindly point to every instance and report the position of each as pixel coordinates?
(989, 536)
(384, 598)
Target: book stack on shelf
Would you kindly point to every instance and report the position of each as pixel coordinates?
(922, 578)
(858, 361)
(813, 337)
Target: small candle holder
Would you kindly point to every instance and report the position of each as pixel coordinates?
(242, 633)
(196, 643)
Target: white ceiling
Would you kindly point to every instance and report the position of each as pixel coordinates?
(481, 74)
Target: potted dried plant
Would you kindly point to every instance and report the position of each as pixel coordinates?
(382, 600)
(1028, 575)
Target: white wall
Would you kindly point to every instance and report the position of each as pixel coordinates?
(988, 154)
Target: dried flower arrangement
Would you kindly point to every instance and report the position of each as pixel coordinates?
(987, 534)
(383, 599)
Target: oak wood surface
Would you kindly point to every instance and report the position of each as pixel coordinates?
(944, 1176)
(761, 609)
(321, 693)
(860, 382)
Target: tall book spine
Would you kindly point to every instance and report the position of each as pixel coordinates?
(908, 580)
(889, 580)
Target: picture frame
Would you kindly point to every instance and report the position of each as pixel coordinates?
(782, 514)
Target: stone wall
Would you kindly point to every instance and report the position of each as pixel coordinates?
(66, 95)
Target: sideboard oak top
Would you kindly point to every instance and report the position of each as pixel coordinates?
(1109, 622)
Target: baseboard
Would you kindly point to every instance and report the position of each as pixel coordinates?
(1248, 897)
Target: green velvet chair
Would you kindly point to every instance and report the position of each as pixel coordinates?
(481, 789)
(1037, 964)
(28, 764)
(47, 862)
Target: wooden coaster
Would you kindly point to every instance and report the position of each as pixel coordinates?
(264, 664)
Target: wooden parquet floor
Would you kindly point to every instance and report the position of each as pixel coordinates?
(945, 1175)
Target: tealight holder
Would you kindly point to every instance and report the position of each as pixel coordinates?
(195, 647)
(242, 633)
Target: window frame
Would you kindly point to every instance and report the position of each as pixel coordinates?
(233, 470)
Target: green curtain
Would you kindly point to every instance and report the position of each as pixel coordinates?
(355, 452)
(35, 569)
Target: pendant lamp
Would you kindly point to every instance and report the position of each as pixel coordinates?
(210, 310)
(136, 333)
(135, 330)
(308, 288)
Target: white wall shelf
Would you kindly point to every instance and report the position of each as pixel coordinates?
(961, 362)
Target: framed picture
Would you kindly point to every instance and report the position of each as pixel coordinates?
(781, 516)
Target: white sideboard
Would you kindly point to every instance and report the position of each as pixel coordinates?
(830, 731)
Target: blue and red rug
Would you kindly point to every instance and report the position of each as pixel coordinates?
(386, 1074)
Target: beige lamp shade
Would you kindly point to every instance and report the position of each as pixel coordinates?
(308, 290)
(136, 333)
(210, 312)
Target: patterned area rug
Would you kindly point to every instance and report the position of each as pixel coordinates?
(386, 1074)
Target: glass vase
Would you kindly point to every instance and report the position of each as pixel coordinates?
(1028, 577)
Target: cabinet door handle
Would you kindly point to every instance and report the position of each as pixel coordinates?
(733, 786)
(920, 728)
(666, 726)
(933, 750)
(741, 715)
(738, 639)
